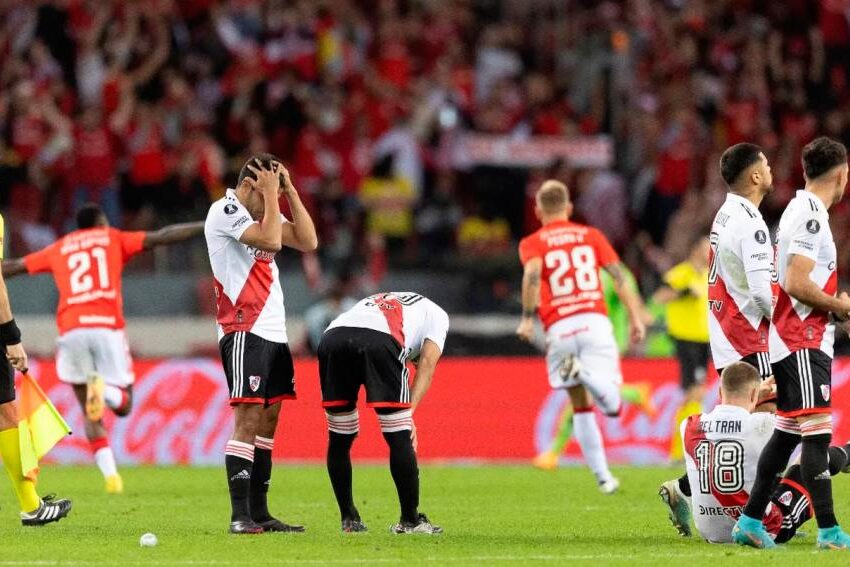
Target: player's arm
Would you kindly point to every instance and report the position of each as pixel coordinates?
(10, 335)
(757, 257)
(266, 235)
(799, 285)
(300, 233)
(172, 234)
(429, 355)
(13, 267)
(531, 274)
(630, 299)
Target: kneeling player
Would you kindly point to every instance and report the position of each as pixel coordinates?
(368, 346)
(722, 449)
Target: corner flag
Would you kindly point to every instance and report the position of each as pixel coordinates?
(40, 426)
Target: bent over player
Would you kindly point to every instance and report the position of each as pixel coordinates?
(35, 511)
(369, 346)
(801, 343)
(92, 354)
(244, 231)
(561, 284)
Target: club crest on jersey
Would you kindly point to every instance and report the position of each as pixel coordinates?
(810, 333)
(254, 383)
(824, 391)
(761, 237)
(813, 226)
(786, 497)
(230, 208)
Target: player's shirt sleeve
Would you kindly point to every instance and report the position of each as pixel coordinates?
(806, 237)
(39, 262)
(605, 253)
(131, 242)
(756, 248)
(528, 249)
(230, 219)
(436, 326)
(763, 424)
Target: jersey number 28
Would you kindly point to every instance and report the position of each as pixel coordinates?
(582, 260)
(80, 265)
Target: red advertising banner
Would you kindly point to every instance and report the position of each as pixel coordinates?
(477, 409)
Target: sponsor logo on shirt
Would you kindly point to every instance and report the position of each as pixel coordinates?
(260, 255)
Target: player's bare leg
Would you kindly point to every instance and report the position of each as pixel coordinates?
(35, 511)
(590, 439)
(98, 438)
(343, 427)
(239, 463)
(262, 472)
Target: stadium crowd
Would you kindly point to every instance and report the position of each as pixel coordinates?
(151, 107)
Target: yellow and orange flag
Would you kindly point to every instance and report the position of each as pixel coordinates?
(41, 425)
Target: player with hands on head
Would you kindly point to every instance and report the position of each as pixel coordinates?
(244, 231)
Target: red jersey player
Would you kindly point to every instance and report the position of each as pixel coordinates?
(92, 352)
(561, 283)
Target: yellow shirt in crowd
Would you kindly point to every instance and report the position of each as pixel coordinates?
(687, 316)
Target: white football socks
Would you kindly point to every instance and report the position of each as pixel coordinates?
(113, 396)
(589, 438)
(105, 460)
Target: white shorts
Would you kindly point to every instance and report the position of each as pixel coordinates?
(590, 337)
(83, 351)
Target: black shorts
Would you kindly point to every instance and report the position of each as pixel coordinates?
(693, 360)
(760, 361)
(792, 499)
(7, 382)
(351, 357)
(258, 371)
(803, 383)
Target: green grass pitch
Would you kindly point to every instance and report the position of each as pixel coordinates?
(491, 514)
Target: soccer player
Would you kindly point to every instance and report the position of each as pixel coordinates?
(722, 450)
(741, 263)
(92, 354)
(801, 341)
(685, 294)
(35, 511)
(368, 346)
(244, 230)
(561, 284)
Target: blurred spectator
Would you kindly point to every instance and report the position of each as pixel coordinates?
(317, 317)
(159, 103)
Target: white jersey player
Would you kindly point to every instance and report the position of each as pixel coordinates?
(801, 345)
(367, 346)
(722, 450)
(741, 263)
(244, 231)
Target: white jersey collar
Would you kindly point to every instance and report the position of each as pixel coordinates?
(744, 201)
(729, 408)
(802, 193)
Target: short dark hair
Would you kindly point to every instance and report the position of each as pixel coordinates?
(822, 154)
(264, 160)
(739, 377)
(89, 215)
(736, 159)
